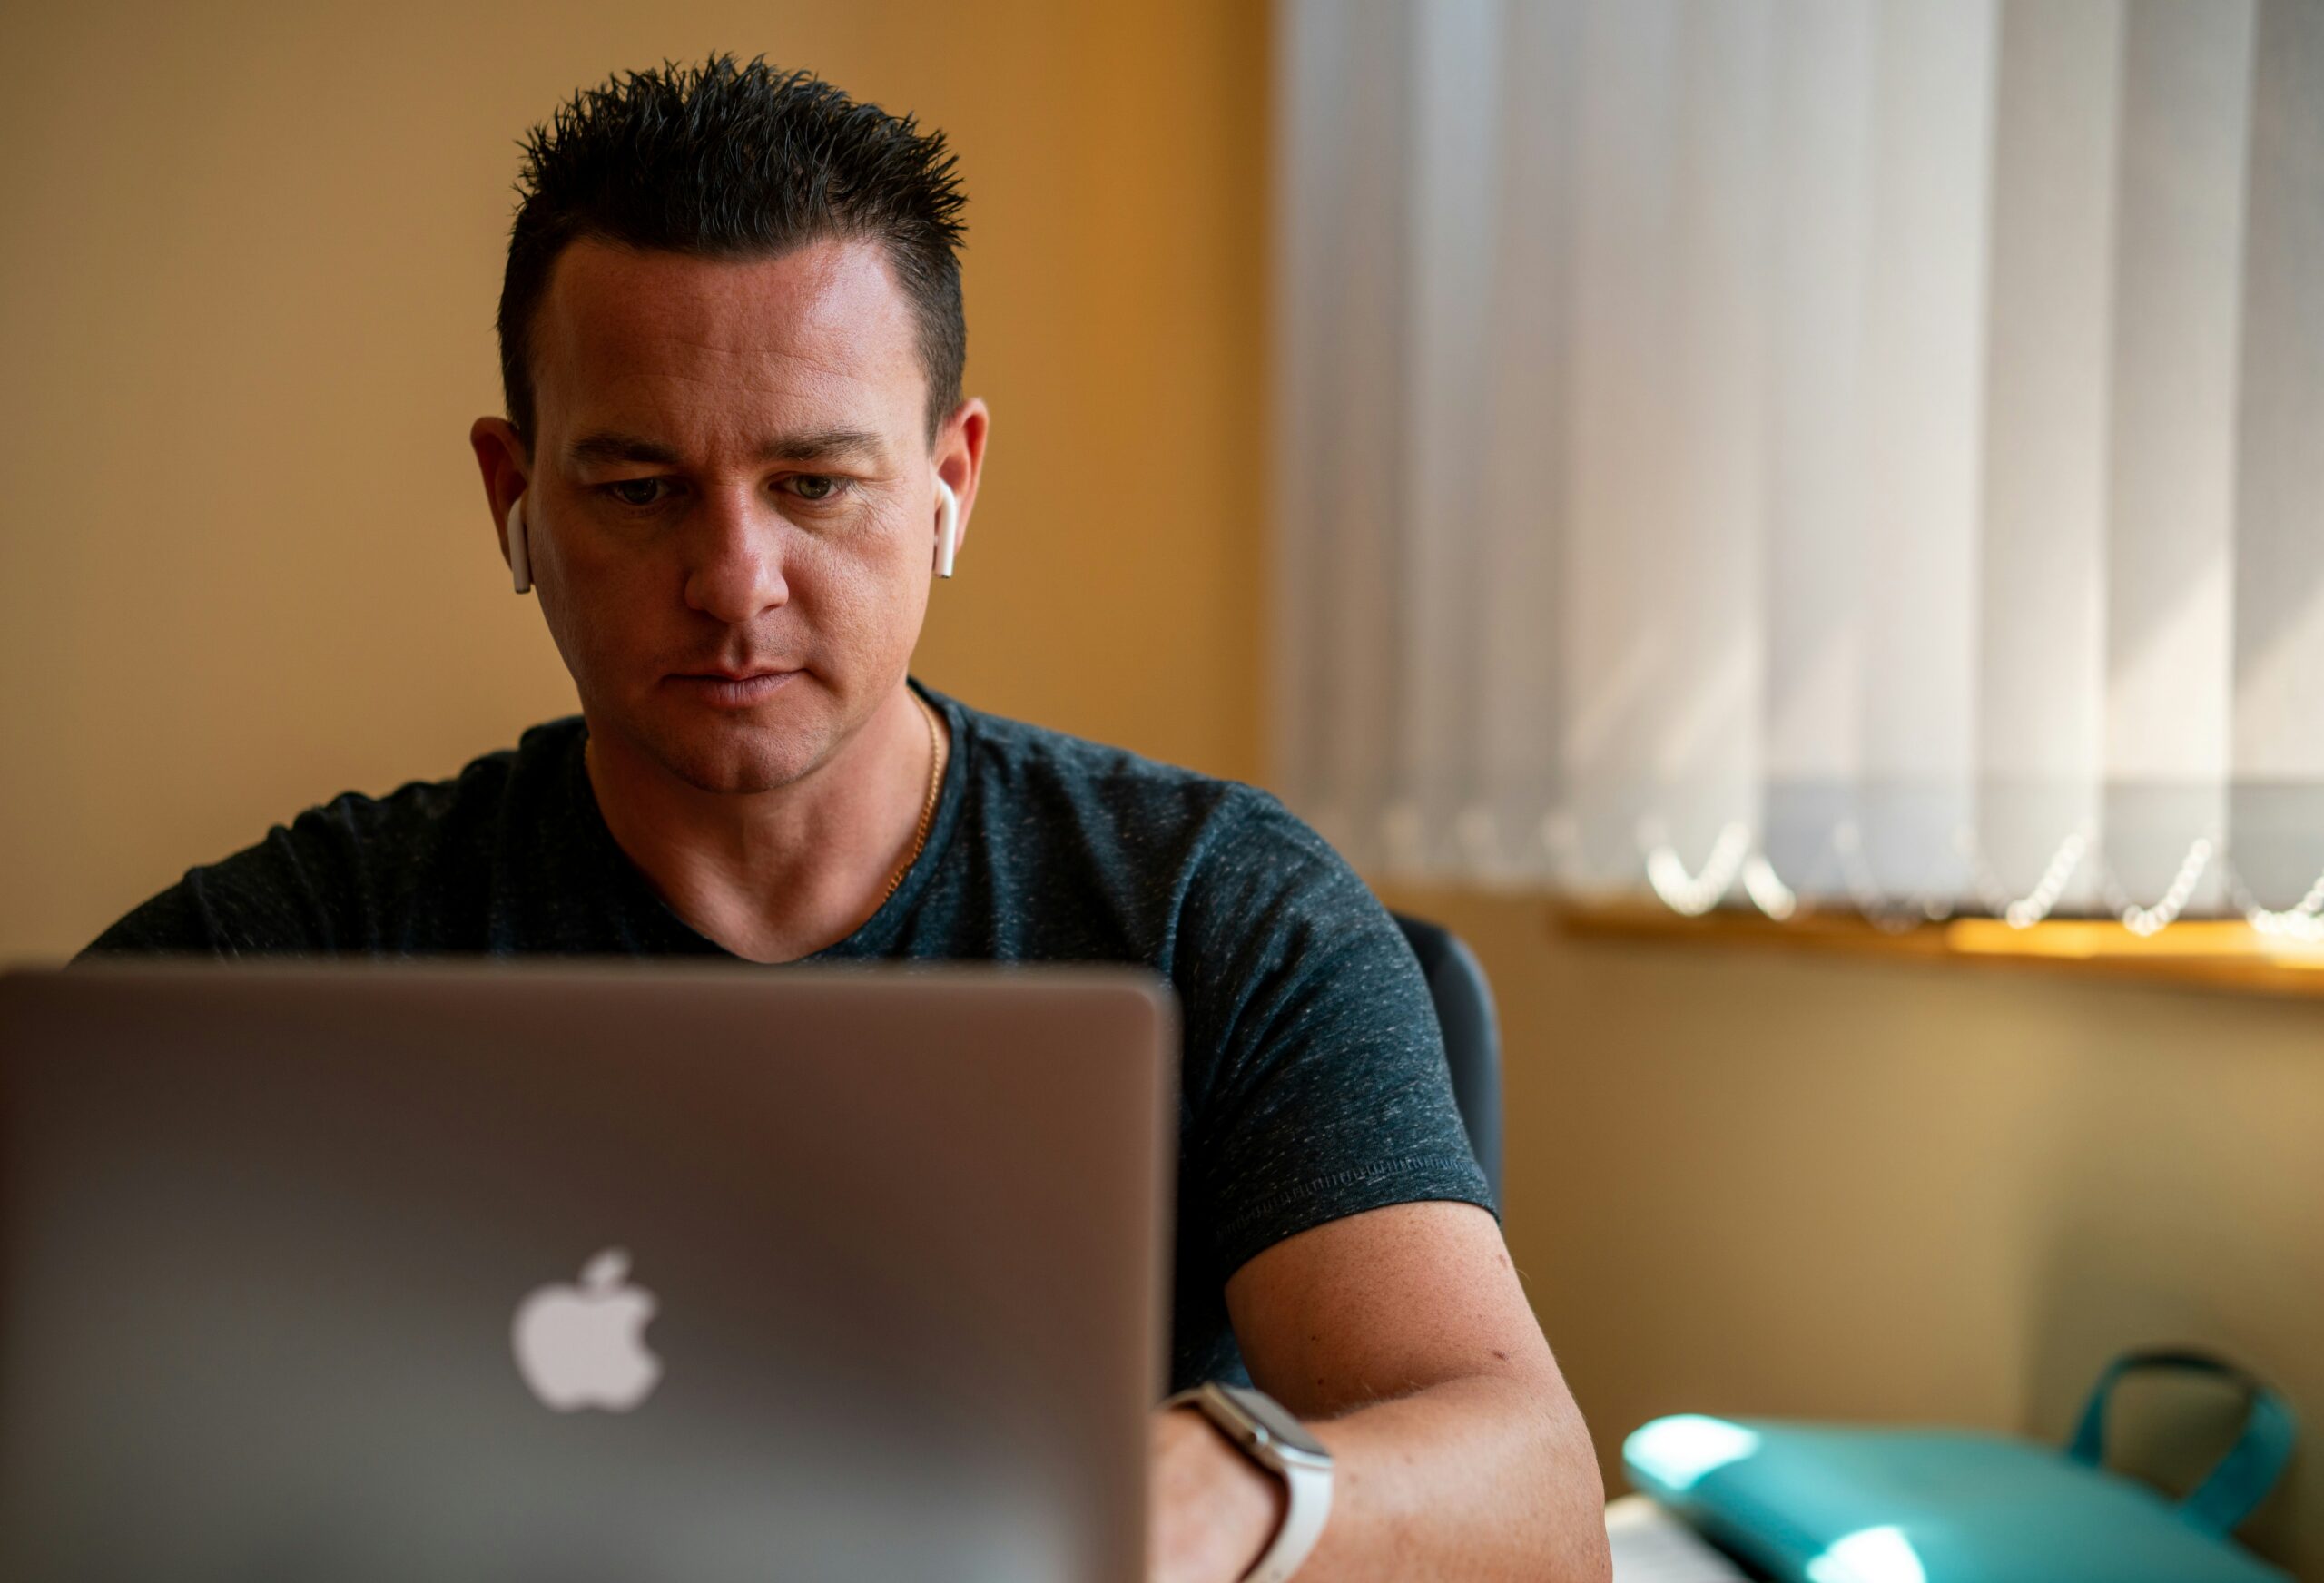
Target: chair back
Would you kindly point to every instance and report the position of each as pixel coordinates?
(1471, 1035)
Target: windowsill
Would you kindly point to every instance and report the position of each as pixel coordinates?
(2204, 954)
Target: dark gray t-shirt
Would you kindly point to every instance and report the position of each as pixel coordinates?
(1313, 1077)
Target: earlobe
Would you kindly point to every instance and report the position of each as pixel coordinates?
(948, 527)
(520, 565)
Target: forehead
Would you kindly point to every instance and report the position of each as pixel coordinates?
(695, 350)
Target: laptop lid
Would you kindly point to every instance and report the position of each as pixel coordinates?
(387, 1273)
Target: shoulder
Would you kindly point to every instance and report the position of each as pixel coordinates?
(1239, 873)
(343, 875)
(1037, 762)
(1040, 784)
(1043, 765)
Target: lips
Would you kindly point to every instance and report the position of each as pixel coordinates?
(749, 675)
(725, 689)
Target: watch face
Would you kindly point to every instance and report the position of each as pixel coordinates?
(1282, 1431)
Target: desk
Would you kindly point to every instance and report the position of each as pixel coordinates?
(1650, 1546)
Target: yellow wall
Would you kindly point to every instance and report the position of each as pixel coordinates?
(246, 289)
(246, 282)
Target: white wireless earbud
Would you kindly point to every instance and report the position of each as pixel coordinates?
(520, 563)
(948, 527)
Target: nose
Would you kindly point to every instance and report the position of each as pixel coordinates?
(736, 567)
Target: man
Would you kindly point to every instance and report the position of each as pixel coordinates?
(735, 449)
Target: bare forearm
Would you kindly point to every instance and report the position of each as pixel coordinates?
(1479, 1471)
(1474, 1479)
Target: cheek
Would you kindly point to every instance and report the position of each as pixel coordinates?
(599, 598)
(614, 615)
(868, 592)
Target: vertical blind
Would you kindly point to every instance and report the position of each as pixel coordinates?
(1807, 451)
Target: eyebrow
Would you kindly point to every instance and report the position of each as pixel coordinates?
(809, 446)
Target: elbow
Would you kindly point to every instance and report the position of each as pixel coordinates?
(1577, 1546)
(1582, 1553)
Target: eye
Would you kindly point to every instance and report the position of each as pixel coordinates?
(816, 488)
(636, 492)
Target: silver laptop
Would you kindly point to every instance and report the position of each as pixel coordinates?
(646, 1274)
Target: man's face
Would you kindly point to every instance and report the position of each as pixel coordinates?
(732, 501)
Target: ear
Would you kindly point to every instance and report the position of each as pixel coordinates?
(960, 462)
(505, 462)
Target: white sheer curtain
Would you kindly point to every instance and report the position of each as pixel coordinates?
(1868, 452)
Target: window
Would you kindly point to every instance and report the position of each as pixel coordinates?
(1864, 455)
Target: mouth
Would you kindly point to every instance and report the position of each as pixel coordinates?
(723, 689)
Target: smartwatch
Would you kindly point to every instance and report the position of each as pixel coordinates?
(1265, 1431)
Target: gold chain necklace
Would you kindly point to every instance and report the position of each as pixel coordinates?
(928, 807)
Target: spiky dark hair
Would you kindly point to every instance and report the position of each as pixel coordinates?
(735, 161)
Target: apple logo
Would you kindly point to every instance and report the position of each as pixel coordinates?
(582, 1346)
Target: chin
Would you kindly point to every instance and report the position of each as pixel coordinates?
(736, 754)
(738, 760)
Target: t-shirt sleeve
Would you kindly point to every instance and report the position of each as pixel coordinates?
(1314, 1067)
(287, 895)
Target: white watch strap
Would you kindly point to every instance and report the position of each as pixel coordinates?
(1310, 1502)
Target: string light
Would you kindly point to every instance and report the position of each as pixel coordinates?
(1871, 901)
(1767, 889)
(2301, 923)
(1735, 859)
(1693, 894)
(2025, 911)
(2146, 922)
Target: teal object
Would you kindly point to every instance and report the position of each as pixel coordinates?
(1812, 1503)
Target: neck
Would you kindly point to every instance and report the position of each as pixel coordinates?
(775, 876)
